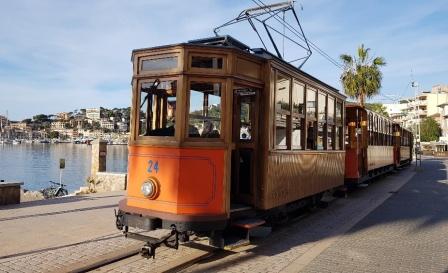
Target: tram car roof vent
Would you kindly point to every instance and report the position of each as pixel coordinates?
(225, 40)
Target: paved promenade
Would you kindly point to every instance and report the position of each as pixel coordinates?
(69, 234)
(397, 224)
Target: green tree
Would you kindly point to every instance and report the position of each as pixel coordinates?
(429, 130)
(53, 134)
(362, 76)
(40, 118)
(378, 108)
(96, 125)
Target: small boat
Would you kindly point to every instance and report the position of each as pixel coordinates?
(45, 141)
(16, 141)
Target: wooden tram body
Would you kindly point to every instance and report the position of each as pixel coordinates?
(375, 144)
(220, 132)
(277, 136)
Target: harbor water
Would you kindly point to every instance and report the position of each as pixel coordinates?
(36, 164)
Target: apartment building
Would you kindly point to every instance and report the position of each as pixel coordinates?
(93, 114)
(57, 125)
(107, 124)
(433, 103)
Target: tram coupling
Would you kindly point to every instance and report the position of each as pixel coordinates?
(169, 239)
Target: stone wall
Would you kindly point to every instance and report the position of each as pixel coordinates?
(107, 181)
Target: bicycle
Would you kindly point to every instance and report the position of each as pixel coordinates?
(55, 190)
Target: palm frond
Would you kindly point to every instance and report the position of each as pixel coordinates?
(347, 59)
(362, 76)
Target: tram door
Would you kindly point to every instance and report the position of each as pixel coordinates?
(245, 139)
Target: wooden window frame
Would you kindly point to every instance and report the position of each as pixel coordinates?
(331, 124)
(302, 117)
(224, 94)
(136, 111)
(158, 56)
(222, 70)
(309, 119)
(324, 121)
(288, 116)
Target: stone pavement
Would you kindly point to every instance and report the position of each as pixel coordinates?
(66, 234)
(408, 233)
(381, 228)
(396, 224)
(38, 225)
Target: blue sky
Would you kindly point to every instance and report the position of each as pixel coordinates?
(64, 55)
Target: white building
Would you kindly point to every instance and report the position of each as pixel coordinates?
(57, 125)
(428, 104)
(93, 113)
(122, 126)
(107, 124)
(396, 111)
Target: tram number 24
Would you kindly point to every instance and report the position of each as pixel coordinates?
(153, 166)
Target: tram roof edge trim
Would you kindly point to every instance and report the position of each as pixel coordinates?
(260, 52)
(357, 105)
(228, 41)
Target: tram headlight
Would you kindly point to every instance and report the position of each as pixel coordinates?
(149, 189)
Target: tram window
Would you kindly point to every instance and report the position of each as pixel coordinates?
(322, 105)
(339, 129)
(298, 93)
(159, 64)
(206, 62)
(245, 121)
(320, 135)
(298, 99)
(311, 117)
(204, 119)
(337, 138)
(331, 110)
(311, 104)
(311, 136)
(338, 112)
(329, 137)
(282, 111)
(297, 134)
(157, 108)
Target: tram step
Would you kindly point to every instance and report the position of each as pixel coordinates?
(239, 207)
(248, 223)
(243, 230)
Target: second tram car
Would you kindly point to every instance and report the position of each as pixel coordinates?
(375, 144)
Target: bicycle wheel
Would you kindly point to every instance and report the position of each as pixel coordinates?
(61, 192)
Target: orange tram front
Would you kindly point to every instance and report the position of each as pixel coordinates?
(221, 134)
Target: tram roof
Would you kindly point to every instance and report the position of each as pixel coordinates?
(230, 42)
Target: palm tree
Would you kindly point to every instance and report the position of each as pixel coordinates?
(362, 76)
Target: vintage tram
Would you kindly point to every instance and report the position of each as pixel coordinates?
(375, 145)
(219, 129)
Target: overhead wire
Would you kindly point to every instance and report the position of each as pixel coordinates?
(294, 31)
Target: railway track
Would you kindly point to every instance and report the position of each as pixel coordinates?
(167, 260)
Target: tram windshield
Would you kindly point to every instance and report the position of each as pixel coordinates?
(157, 108)
(204, 119)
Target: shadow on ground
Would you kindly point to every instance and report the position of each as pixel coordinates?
(424, 199)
